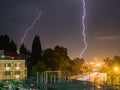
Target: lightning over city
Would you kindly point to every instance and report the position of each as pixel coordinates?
(88, 29)
(83, 26)
(58, 43)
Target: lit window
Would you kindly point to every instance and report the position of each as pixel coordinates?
(17, 64)
(7, 64)
(7, 68)
(17, 68)
(17, 76)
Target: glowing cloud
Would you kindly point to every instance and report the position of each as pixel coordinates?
(117, 37)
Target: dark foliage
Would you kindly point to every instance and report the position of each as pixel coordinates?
(23, 49)
(36, 49)
(7, 44)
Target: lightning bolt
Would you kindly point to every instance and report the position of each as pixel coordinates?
(83, 30)
(28, 29)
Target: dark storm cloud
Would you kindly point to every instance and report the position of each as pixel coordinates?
(104, 15)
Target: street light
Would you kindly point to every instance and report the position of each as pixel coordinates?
(116, 69)
(2, 56)
(98, 64)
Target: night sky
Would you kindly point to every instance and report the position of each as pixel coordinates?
(60, 24)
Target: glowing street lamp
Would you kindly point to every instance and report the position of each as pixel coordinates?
(116, 69)
(98, 64)
(3, 56)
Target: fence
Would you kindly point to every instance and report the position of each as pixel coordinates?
(57, 80)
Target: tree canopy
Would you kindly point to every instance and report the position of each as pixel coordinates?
(23, 49)
(7, 44)
(57, 58)
(36, 48)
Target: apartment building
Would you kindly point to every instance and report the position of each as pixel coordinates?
(11, 69)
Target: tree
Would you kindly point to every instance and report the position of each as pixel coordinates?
(36, 50)
(56, 59)
(4, 42)
(14, 84)
(39, 67)
(7, 44)
(36, 55)
(24, 54)
(77, 65)
(13, 46)
(110, 63)
(23, 49)
(109, 68)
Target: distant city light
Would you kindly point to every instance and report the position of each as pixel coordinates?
(98, 64)
(116, 68)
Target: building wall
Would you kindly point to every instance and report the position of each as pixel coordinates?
(12, 69)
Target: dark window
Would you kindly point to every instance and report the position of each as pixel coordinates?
(17, 72)
(7, 64)
(7, 73)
